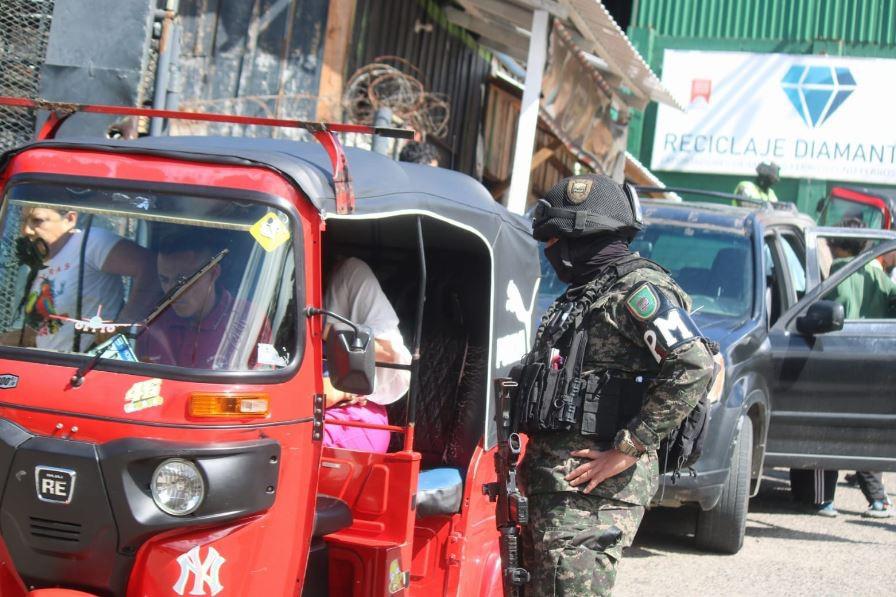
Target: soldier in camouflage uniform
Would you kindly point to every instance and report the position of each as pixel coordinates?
(587, 494)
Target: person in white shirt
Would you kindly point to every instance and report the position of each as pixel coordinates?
(56, 286)
(353, 292)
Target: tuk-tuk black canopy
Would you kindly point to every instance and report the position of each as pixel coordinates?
(377, 180)
(383, 188)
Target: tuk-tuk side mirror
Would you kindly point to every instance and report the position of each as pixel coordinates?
(350, 360)
(820, 205)
(350, 355)
(821, 317)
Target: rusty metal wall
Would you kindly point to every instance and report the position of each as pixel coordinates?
(449, 60)
(251, 57)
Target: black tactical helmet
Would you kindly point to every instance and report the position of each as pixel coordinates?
(587, 204)
(769, 170)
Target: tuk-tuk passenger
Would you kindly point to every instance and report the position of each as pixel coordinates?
(190, 332)
(354, 292)
(53, 244)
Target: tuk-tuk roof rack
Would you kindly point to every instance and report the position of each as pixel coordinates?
(323, 132)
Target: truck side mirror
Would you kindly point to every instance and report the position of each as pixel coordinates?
(350, 360)
(820, 318)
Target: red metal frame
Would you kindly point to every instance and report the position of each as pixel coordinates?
(342, 182)
(51, 126)
(454, 554)
(321, 131)
(336, 127)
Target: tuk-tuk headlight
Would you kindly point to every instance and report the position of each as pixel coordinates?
(177, 487)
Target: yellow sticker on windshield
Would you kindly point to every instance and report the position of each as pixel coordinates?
(270, 231)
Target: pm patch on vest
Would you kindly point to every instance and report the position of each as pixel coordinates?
(666, 326)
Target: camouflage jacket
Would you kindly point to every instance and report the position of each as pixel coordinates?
(616, 341)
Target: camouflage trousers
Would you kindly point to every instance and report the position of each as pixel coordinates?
(573, 542)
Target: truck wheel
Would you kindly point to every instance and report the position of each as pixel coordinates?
(722, 528)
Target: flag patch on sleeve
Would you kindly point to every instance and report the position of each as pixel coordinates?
(643, 302)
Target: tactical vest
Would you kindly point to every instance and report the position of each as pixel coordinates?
(553, 394)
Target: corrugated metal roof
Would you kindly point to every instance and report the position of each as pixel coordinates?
(594, 21)
(850, 21)
(638, 173)
(504, 25)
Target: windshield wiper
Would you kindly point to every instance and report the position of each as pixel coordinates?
(183, 285)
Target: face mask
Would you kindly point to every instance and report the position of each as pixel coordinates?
(554, 254)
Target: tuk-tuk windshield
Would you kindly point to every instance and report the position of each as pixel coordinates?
(94, 263)
(837, 209)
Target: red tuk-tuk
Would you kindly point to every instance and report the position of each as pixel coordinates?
(876, 207)
(201, 471)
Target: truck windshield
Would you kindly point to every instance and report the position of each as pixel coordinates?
(714, 267)
(90, 264)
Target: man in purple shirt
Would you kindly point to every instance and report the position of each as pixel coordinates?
(191, 333)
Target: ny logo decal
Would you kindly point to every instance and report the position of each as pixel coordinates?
(203, 572)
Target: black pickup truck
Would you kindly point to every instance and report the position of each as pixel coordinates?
(801, 388)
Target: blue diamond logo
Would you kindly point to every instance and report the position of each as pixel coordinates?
(817, 91)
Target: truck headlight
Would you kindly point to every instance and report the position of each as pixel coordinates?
(177, 487)
(718, 383)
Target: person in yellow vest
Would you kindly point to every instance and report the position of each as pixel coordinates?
(767, 174)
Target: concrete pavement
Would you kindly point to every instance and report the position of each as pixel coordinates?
(786, 550)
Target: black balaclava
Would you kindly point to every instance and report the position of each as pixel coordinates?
(578, 260)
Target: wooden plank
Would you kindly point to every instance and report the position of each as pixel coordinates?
(512, 51)
(557, 163)
(340, 22)
(555, 8)
(498, 10)
(499, 34)
(499, 188)
(541, 156)
(641, 98)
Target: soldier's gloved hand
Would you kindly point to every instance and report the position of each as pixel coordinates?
(600, 466)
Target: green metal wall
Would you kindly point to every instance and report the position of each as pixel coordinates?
(833, 27)
(850, 21)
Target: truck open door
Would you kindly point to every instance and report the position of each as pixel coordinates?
(834, 382)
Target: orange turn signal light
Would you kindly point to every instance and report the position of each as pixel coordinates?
(229, 405)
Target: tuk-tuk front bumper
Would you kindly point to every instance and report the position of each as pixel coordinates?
(74, 514)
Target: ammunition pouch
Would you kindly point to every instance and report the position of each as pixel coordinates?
(609, 402)
(553, 393)
(596, 405)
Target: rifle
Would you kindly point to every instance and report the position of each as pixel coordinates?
(512, 509)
